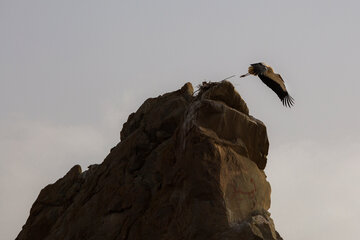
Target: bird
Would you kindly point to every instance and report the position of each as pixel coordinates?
(272, 80)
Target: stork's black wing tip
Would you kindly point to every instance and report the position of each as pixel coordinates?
(288, 101)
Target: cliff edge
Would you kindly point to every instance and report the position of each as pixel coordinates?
(187, 167)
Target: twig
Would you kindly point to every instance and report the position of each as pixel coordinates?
(228, 77)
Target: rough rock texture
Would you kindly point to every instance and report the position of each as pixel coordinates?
(187, 167)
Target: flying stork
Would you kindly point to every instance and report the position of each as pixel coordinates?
(272, 80)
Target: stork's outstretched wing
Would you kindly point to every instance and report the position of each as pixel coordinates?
(276, 83)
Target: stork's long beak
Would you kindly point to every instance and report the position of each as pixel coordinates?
(245, 75)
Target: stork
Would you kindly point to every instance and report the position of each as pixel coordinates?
(272, 80)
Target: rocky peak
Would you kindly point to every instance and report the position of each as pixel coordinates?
(187, 167)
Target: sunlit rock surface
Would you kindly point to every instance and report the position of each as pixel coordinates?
(187, 167)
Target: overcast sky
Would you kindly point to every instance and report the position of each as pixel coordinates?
(72, 71)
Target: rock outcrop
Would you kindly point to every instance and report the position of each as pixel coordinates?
(187, 167)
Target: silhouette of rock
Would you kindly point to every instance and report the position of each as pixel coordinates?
(187, 167)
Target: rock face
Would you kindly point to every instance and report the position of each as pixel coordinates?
(187, 167)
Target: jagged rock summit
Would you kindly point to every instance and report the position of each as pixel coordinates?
(187, 167)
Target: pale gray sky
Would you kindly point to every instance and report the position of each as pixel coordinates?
(72, 71)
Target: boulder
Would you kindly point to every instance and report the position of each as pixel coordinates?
(187, 167)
